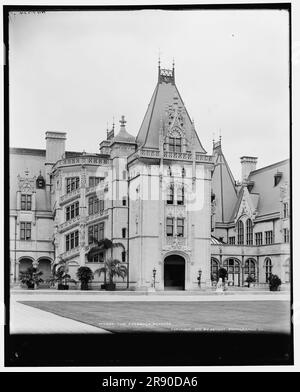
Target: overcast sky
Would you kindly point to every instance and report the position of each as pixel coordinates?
(74, 71)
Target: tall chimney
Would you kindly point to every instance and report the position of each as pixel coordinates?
(248, 165)
(55, 146)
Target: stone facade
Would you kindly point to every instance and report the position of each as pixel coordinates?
(159, 194)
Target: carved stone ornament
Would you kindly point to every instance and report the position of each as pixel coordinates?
(177, 244)
(27, 184)
(175, 211)
(82, 234)
(284, 191)
(213, 207)
(245, 209)
(83, 178)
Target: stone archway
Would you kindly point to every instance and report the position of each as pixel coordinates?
(174, 272)
(24, 263)
(44, 265)
(233, 268)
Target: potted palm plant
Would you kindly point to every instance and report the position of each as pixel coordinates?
(112, 268)
(274, 283)
(103, 246)
(60, 276)
(31, 277)
(84, 275)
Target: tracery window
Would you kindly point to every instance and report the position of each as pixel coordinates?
(249, 232)
(175, 144)
(180, 196)
(170, 195)
(240, 233)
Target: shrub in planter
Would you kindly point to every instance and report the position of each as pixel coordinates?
(31, 277)
(84, 275)
(250, 280)
(274, 283)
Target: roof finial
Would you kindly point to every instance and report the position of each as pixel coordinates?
(159, 53)
(220, 135)
(123, 121)
(213, 138)
(173, 70)
(113, 123)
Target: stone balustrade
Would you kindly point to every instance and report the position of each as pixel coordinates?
(69, 224)
(82, 160)
(70, 196)
(70, 253)
(184, 156)
(93, 217)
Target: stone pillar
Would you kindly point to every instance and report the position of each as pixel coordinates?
(35, 264)
(257, 270)
(17, 270)
(242, 270)
(18, 200)
(82, 244)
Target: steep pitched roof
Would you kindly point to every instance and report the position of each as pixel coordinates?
(164, 95)
(223, 186)
(269, 200)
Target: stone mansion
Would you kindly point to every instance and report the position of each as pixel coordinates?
(177, 210)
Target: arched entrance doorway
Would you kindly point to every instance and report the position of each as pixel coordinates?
(232, 266)
(174, 272)
(24, 264)
(214, 269)
(250, 269)
(45, 266)
(268, 268)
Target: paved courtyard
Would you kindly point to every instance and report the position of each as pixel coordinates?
(168, 316)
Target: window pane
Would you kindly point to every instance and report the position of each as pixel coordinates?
(96, 232)
(91, 204)
(101, 205)
(101, 231)
(72, 240)
(28, 207)
(90, 234)
(76, 238)
(67, 242)
(96, 205)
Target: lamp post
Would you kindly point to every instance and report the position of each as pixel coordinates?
(199, 277)
(154, 274)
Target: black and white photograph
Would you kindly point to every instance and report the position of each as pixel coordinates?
(148, 198)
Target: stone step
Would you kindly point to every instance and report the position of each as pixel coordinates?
(139, 293)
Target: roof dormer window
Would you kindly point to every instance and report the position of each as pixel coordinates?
(277, 178)
(175, 144)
